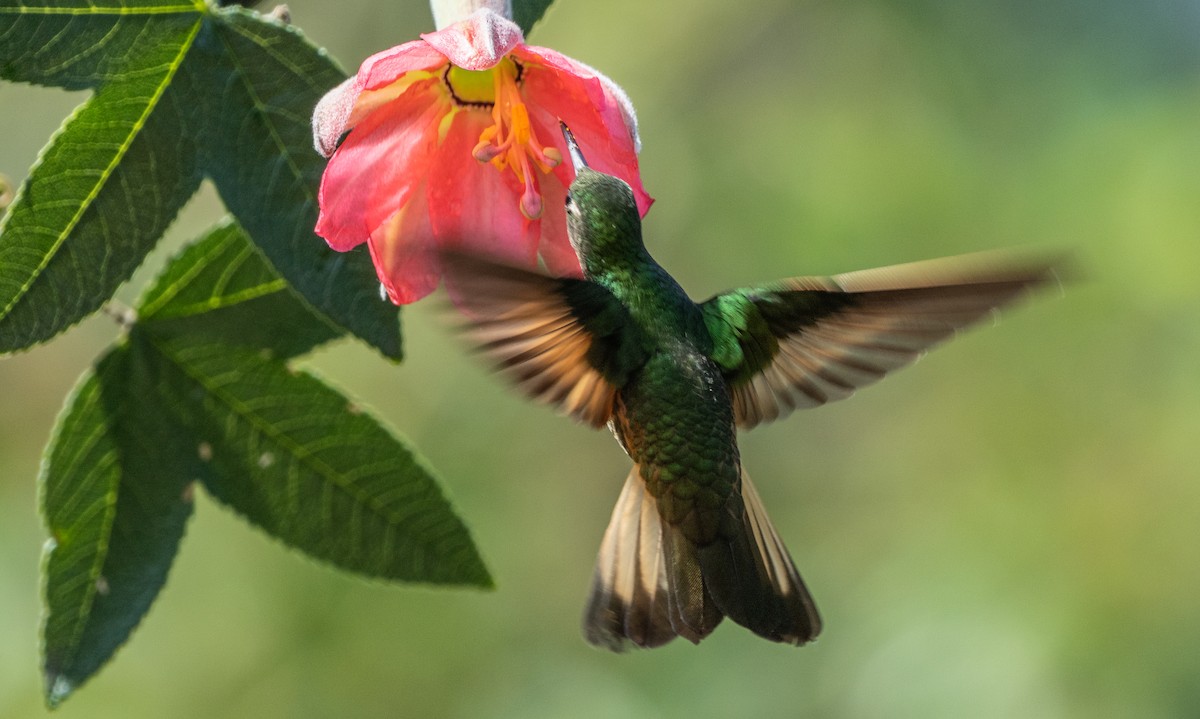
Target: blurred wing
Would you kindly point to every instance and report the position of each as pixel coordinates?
(564, 341)
(807, 341)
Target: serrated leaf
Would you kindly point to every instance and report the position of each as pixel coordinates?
(263, 80)
(183, 90)
(199, 392)
(82, 44)
(297, 459)
(79, 501)
(115, 499)
(527, 12)
(98, 200)
(220, 289)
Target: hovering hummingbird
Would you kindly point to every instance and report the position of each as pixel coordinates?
(689, 541)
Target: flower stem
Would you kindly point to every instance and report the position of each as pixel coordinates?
(448, 12)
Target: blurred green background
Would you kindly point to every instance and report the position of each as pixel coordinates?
(1007, 529)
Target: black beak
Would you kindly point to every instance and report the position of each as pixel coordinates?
(573, 147)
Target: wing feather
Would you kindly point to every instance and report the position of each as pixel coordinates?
(808, 341)
(563, 341)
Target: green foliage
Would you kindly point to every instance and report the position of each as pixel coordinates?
(107, 186)
(221, 291)
(116, 497)
(325, 477)
(200, 391)
(79, 503)
(262, 80)
(181, 91)
(526, 13)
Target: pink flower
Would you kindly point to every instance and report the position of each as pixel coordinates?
(454, 140)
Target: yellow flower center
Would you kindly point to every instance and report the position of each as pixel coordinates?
(510, 141)
(472, 87)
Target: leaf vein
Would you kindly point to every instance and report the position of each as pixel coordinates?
(60, 237)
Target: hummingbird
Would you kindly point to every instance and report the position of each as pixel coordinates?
(689, 541)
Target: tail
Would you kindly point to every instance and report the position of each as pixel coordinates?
(652, 584)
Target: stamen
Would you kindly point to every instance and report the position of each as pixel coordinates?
(510, 143)
(547, 158)
(485, 150)
(531, 202)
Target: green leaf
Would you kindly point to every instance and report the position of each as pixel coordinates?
(79, 501)
(115, 498)
(200, 391)
(82, 44)
(182, 91)
(297, 459)
(100, 196)
(287, 452)
(220, 289)
(527, 12)
(261, 80)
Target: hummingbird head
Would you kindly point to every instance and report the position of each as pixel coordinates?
(603, 223)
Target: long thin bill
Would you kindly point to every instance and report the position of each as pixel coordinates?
(573, 147)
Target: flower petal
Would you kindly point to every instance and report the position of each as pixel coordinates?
(478, 42)
(377, 167)
(332, 115)
(474, 205)
(614, 94)
(554, 246)
(345, 105)
(402, 250)
(553, 96)
(384, 68)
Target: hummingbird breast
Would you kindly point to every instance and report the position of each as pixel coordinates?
(676, 421)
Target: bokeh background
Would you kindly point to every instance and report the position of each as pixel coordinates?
(1007, 529)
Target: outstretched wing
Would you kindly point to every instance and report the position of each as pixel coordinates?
(807, 341)
(564, 341)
